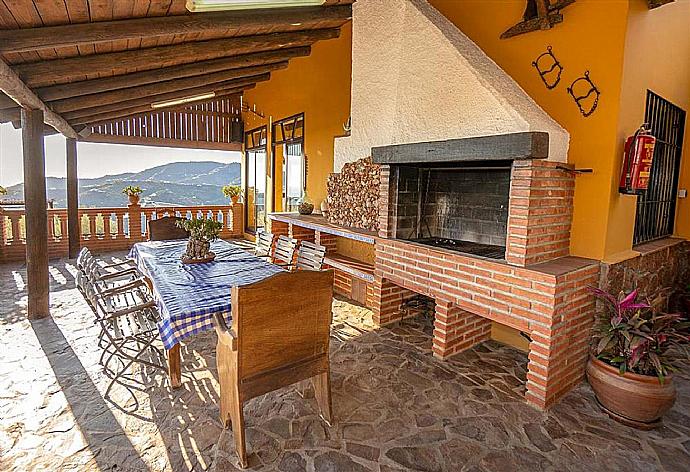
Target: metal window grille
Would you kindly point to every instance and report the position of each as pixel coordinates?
(656, 208)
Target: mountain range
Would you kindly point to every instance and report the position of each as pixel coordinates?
(177, 183)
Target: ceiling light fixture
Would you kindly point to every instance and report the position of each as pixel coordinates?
(183, 100)
(215, 5)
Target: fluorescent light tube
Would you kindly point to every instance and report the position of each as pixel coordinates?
(215, 5)
(183, 100)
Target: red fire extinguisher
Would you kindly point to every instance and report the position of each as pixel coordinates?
(637, 162)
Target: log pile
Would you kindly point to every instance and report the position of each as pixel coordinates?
(353, 195)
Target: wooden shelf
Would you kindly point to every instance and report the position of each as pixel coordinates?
(359, 269)
(319, 223)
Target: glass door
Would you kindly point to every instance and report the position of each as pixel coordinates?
(255, 179)
(288, 140)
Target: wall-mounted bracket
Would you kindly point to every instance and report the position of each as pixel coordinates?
(539, 15)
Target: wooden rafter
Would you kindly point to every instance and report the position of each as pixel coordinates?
(86, 87)
(12, 85)
(150, 91)
(102, 114)
(231, 23)
(39, 74)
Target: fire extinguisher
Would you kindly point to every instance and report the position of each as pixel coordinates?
(637, 162)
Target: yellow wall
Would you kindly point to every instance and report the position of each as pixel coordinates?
(319, 86)
(657, 57)
(591, 38)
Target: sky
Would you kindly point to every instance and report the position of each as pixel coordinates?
(95, 159)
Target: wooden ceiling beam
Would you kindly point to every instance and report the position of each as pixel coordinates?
(12, 85)
(104, 118)
(86, 87)
(231, 23)
(78, 116)
(44, 73)
(147, 91)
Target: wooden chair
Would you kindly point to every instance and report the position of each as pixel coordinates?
(264, 244)
(279, 337)
(310, 256)
(284, 250)
(163, 229)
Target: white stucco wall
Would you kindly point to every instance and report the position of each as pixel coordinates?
(416, 77)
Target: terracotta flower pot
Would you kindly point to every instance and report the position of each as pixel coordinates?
(636, 400)
(235, 199)
(133, 199)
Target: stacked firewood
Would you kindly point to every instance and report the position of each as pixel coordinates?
(353, 195)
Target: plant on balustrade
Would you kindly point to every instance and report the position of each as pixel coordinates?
(202, 232)
(232, 192)
(3, 190)
(630, 370)
(133, 192)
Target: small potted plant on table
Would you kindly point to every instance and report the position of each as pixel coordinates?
(202, 232)
(232, 192)
(133, 193)
(630, 369)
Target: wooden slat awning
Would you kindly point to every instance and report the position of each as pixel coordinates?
(86, 61)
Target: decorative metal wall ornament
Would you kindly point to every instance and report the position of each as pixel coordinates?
(588, 88)
(657, 3)
(545, 64)
(538, 15)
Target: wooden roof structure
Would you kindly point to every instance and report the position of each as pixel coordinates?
(88, 63)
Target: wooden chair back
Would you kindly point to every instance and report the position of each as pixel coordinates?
(264, 244)
(283, 327)
(284, 250)
(165, 228)
(310, 256)
(279, 336)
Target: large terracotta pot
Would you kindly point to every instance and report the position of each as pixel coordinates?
(636, 400)
(133, 199)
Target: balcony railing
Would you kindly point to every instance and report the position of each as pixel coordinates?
(106, 229)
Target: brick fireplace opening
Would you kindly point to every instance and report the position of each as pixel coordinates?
(461, 207)
(443, 207)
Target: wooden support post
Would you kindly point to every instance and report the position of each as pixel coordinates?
(36, 214)
(73, 229)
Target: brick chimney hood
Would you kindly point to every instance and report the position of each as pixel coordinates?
(500, 147)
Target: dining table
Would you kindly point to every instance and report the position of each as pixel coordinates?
(188, 296)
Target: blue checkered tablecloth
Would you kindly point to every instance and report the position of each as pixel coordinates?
(188, 295)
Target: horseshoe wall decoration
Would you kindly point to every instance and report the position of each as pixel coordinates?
(587, 86)
(545, 64)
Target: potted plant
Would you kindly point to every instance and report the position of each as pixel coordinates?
(233, 192)
(3, 190)
(202, 232)
(133, 192)
(630, 368)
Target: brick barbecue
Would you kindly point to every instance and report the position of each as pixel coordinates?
(482, 226)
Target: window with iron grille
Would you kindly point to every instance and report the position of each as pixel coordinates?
(656, 208)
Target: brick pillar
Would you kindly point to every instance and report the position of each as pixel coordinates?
(540, 212)
(385, 299)
(135, 233)
(236, 219)
(456, 330)
(327, 240)
(386, 206)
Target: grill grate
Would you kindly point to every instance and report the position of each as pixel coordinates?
(466, 247)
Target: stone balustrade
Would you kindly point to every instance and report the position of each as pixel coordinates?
(107, 229)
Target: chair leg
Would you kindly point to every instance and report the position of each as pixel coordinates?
(322, 392)
(237, 419)
(230, 402)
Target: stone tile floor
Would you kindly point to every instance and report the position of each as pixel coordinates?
(396, 407)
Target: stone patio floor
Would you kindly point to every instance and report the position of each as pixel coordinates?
(396, 407)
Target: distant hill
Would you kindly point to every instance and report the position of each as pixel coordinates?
(177, 183)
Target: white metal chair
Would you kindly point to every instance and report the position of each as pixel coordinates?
(284, 251)
(264, 244)
(310, 256)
